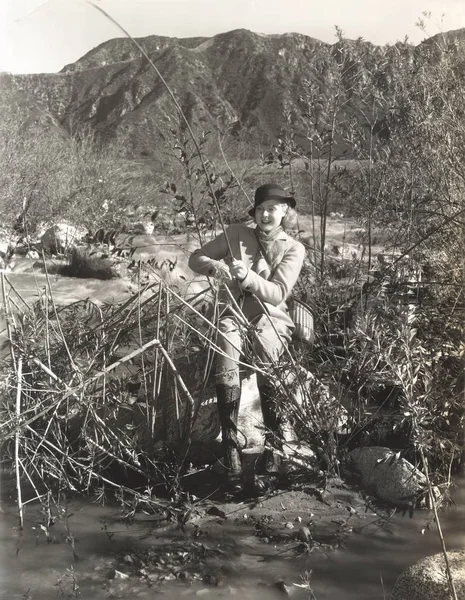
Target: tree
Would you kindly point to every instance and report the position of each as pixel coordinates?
(47, 175)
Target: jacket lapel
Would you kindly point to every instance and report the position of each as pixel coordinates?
(248, 248)
(273, 254)
(279, 249)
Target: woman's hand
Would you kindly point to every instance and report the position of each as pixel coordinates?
(223, 273)
(238, 269)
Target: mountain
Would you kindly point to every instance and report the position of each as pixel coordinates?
(247, 83)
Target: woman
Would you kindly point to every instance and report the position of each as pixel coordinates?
(260, 274)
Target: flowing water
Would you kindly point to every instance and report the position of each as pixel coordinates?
(364, 569)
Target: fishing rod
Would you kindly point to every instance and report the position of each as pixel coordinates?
(181, 114)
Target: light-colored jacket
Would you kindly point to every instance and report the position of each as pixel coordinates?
(272, 288)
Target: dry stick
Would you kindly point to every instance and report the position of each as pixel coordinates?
(38, 496)
(191, 405)
(231, 171)
(438, 525)
(241, 318)
(73, 391)
(56, 315)
(49, 372)
(7, 321)
(70, 460)
(47, 333)
(15, 304)
(428, 234)
(155, 370)
(16, 292)
(183, 117)
(277, 373)
(218, 350)
(17, 459)
(165, 379)
(117, 458)
(293, 363)
(129, 301)
(181, 114)
(196, 312)
(121, 325)
(236, 311)
(139, 325)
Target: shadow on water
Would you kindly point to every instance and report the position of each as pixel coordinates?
(364, 569)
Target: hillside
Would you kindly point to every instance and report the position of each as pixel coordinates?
(240, 81)
(249, 84)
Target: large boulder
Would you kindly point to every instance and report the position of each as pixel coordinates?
(8, 243)
(387, 476)
(249, 424)
(62, 237)
(427, 579)
(206, 435)
(250, 420)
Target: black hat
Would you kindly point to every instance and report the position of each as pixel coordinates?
(271, 191)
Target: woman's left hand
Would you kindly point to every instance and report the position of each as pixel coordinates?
(238, 269)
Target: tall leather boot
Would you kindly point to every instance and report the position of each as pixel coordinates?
(270, 462)
(228, 397)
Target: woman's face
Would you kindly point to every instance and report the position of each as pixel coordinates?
(269, 214)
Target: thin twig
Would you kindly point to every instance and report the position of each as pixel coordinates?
(438, 525)
(181, 114)
(76, 370)
(7, 321)
(17, 435)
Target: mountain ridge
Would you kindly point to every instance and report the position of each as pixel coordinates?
(240, 81)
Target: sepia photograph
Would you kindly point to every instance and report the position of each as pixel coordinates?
(232, 299)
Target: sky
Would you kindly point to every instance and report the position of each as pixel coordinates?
(44, 35)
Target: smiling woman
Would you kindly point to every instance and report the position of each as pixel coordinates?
(257, 269)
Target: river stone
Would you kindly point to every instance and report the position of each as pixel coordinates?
(206, 435)
(427, 579)
(250, 421)
(249, 424)
(386, 476)
(61, 237)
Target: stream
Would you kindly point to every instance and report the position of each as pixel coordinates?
(364, 568)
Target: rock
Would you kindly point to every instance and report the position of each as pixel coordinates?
(119, 575)
(207, 430)
(8, 244)
(388, 477)
(427, 579)
(141, 228)
(61, 237)
(250, 420)
(304, 535)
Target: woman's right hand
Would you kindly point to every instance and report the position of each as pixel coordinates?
(222, 273)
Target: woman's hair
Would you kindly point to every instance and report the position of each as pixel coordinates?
(290, 219)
